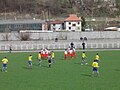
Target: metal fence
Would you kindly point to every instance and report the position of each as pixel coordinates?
(59, 46)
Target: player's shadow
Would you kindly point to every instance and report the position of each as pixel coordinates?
(77, 63)
(87, 75)
(44, 66)
(61, 59)
(25, 67)
(117, 69)
(35, 65)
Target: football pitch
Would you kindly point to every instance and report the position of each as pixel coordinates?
(63, 75)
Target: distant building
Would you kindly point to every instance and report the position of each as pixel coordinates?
(73, 23)
(17, 25)
(57, 25)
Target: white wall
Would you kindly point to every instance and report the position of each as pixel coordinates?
(68, 35)
(32, 46)
(57, 27)
(77, 27)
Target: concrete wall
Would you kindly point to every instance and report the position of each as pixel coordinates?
(58, 46)
(64, 35)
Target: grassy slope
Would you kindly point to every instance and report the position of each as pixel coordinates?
(64, 75)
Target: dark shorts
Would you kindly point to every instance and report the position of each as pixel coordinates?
(95, 69)
(29, 62)
(4, 65)
(39, 59)
(97, 60)
(49, 61)
(83, 59)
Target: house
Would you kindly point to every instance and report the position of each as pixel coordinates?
(56, 25)
(73, 23)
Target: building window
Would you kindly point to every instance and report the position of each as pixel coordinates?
(53, 24)
(78, 22)
(69, 23)
(69, 27)
(74, 25)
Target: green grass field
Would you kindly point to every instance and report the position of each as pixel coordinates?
(63, 75)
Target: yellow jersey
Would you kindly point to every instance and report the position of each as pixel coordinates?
(5, 61)
(95, 64)
(39, 56)
(30, 58)
(53, 55)
(83, 55)
(97, 57)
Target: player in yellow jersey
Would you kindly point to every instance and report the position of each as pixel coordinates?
(97, 57)
(39, 59)
(30, 61)
(95, 68)
(84, 59)
(4, 61)
(52, 56)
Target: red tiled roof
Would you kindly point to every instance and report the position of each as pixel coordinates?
(56, 22)
(72, 17)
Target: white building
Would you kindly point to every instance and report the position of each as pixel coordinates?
(73, 23)
(56, 25)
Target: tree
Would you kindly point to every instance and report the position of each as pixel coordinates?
(59, 7)
(83, 23)
(118, 6)
(6, 34)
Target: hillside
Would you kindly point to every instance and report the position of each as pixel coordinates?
(59, 8)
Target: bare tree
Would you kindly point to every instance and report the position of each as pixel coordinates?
(23, 36)
(6, 34)
(59, 7)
